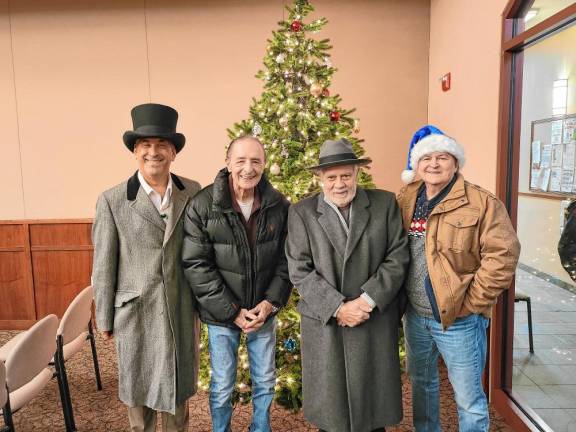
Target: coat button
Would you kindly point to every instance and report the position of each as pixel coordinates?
(444, 312)
(459, 223)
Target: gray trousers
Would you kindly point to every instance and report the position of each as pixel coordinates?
(143, 419)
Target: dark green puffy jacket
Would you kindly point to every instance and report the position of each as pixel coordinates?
(219, 266)
(567, 243)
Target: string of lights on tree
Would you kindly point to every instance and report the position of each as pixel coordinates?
(294, 115)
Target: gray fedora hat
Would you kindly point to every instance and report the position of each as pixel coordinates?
(154, 121)
(333, 153)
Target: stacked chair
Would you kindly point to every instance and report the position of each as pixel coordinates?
(29, 355)
(27, 366)
(74, 330)
(3, 389)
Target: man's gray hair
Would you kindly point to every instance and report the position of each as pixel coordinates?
(242, 138)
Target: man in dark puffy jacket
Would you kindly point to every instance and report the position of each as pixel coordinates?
(233, 256)
(567, 244)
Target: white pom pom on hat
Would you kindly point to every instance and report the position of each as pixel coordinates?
(408, 176)
(426, 140)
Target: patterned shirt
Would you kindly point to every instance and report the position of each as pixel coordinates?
(418, 270)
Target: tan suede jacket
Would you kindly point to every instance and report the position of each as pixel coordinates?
(471, 248)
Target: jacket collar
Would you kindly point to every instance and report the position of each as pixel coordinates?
(141, 203)
(222, 198)
(134, 184)
(454, 199)
(329, 222)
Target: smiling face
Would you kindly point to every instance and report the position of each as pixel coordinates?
(437, 169)
(154, 156)
(339, 184)
(245, 162)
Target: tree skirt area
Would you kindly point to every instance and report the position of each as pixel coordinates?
(102, 411)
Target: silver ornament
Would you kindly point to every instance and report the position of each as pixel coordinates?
(275, 169)
(256, 129)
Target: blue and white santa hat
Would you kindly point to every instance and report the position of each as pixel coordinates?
(426, 140)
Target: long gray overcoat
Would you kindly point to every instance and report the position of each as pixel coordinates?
(141, 294)
(351, 376)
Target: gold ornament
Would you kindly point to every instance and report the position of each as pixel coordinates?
(316, 89)
(356, 127)
(275, 169)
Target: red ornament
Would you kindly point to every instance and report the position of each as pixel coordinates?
(325, 92)
(296, 26)
(335, 116)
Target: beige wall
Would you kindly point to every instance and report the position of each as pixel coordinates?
(465, 39)
(12, 197)
(78, 68)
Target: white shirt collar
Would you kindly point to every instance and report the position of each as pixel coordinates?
(161, 203)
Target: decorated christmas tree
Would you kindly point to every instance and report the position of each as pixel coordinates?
(294, 115)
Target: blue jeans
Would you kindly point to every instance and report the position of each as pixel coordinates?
(223, 345)
(463, 348)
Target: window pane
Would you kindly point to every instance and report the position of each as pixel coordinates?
(542, 9)
(545, 380)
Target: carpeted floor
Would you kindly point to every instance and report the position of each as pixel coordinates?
(102, 411)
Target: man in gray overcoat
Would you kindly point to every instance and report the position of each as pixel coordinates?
(142, 298)
(347, 256)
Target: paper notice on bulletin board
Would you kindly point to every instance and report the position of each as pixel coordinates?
(536, 150)
(534, 176)
(569, 156)
(556, 132)
(555, 180)
(569, 129)
(557, 155)
(546, 156)
(567, 181)
(540, 179)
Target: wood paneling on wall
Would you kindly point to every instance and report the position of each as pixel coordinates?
(43, 265)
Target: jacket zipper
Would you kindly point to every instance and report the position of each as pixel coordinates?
(261, 213)
(248, 256)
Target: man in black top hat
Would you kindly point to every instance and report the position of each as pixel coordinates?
(347, 256)
(142, 299)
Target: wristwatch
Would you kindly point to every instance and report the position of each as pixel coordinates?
(275, 308)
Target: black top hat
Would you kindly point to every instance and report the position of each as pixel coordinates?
(154, 121)
(333, 153)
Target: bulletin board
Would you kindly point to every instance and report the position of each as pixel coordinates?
(553, 156)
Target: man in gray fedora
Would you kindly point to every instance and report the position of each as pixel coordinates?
(142, 298)
(347, 256)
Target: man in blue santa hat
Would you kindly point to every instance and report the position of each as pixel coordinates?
(463, 251)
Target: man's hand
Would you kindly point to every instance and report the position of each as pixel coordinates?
(107, 334)
(261, 312)
(244, 318)
(353, 313)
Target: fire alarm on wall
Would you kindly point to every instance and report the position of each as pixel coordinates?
(445, 82)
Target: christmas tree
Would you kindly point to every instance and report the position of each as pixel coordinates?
(294, 115)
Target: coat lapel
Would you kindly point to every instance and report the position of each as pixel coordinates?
(179, 200)
(141, 203)
(144, 207)
(330, 223)
(358, 221)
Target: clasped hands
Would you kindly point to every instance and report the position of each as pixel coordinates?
(251, 320)
(353, 313)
